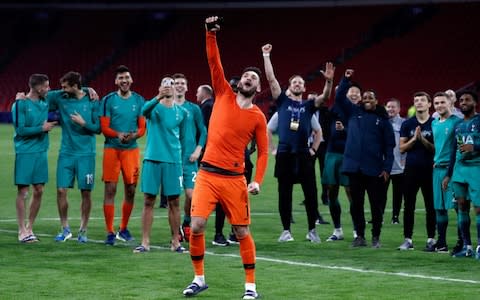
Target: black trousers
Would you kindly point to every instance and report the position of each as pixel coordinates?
(296, 168)
(375, 188)
(415, 179)
(321, 152)
(397, 193)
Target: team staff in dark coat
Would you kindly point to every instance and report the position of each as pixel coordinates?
(368, 158)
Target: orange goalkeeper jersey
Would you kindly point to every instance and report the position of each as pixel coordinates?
(232, 128)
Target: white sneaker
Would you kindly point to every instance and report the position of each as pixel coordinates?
(286, 236)
(337, 235)
(250, 295)
(312, 236)
(406, 245)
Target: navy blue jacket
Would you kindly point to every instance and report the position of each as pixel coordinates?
(370, 137)
(336, 144)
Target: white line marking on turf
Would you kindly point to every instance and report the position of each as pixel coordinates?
(157, 216)
(300, 264)
(351, 269)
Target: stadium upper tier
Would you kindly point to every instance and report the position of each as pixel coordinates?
(437, 53)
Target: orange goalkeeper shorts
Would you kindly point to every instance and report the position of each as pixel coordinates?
(229, 191)
(125, 160)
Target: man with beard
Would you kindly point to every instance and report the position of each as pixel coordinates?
(122, 124)
(443, 130)
(368, 158)
(221, 175)
(466, 171)
(294, 159)
(79, 119)
(205, 100)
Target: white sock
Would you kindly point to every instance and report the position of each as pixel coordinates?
(469, 247)
(338, 231)
(409, 240)
(199, 279)
(250, 287)
(431, 240)
(355, 234)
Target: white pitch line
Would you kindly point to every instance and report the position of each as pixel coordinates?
(303, 264)
(351, 269)
(160, 216)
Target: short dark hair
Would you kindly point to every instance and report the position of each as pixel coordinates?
(72, 78)
(37, 79)
(179, 75)
(440, 94)
(421, 94)
(253, 69)
(468, 92)
(121, 69)
(371, 91)
(355, 84)
(293, 76)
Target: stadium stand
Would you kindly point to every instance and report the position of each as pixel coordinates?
(395, 50)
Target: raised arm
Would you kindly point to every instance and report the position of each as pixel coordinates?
(341, 100)
(150, 105)
(327, 88)
(272, 81)
(219, 83)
